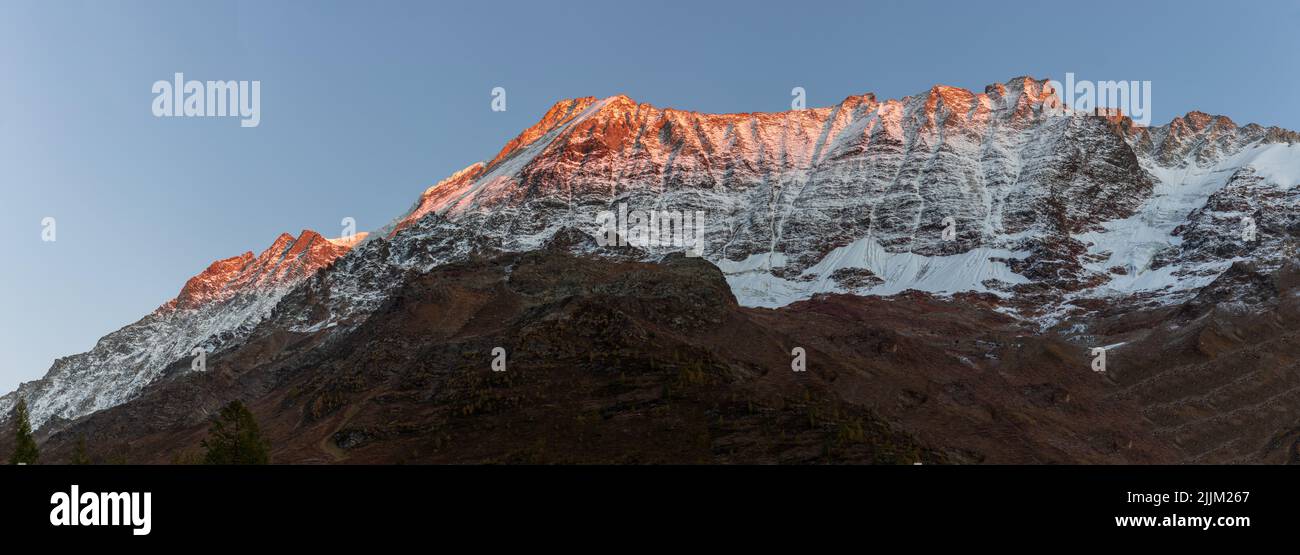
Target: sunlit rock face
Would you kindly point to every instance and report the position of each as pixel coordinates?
(215, 309)
(1047, 211)
(944, 191)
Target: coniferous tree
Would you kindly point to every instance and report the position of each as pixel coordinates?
(234, 438)
(187, 456)
(25, 450)
(80, 456)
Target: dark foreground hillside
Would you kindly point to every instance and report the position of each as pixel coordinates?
(611, 361)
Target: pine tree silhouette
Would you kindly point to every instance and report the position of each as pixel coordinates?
(234, 438)
(79, 456)
(25, 450)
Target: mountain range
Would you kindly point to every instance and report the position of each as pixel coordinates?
(949, 262)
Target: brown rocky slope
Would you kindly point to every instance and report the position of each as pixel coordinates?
(612, 361)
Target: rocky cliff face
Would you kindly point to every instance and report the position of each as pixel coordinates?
(1040, 206)
(618, 361)
(214, 309)
(1050, 214)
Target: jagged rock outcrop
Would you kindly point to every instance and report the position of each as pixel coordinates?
(1039, 205)
(215, 309)
(1050, 213)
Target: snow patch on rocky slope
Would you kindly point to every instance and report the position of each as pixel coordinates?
(1047, 207)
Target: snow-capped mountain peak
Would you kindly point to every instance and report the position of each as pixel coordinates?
(215, 308)
(946, 191)
(287, 260)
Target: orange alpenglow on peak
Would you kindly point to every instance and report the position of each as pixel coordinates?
(559, 114)
(617, 144)
(288, 260)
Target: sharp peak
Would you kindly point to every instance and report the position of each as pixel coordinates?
(221, 273)
(285, 240)
(1198, 117)
(565, 111)
(1198, 122)
(574, 106)
(302, 233)
(306, 234)
(565, 103)
(309, 234)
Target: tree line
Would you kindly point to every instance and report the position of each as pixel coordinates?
(233, 438)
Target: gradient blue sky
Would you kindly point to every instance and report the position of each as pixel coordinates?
(365, 104)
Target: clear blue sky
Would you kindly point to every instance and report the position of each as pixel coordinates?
(365, 104)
